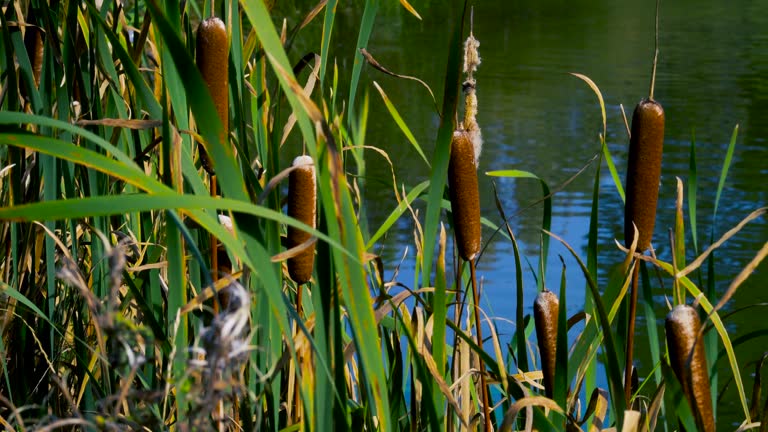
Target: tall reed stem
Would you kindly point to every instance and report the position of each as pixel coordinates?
(631, 334)
(481, 364)
(296, 382)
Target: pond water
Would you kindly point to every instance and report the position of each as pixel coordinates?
(712, 75)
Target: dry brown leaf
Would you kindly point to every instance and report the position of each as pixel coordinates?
(529, 401)
(128, 124)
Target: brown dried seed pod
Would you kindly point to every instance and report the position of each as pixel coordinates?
(643, 172)
(545, 310)
(212, 54)
(688, 360)
(465, 197)
(302, 205)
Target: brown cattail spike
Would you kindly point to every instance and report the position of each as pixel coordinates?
(545, 310)
(644, 172)
(33, 41)
(301, 206)
(465, 198)
(688, 360)
(212, 52)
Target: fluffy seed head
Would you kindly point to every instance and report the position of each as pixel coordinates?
(688, 360)
(465, 197)
(545, 310)
(302, 205)
(643, 172)
(212, 54)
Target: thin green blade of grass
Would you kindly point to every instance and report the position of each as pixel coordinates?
(330, 15)
(398, 211)
(561, 353)
(401, 123)
(366, 27)
(439, 316)
(650, 321)
(592, 253)
(546, 218)
(693, 189)
(724, 170)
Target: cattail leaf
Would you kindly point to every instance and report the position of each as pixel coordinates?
(561, 354)
(546, 218)
(401, 208)
(693, 188)
(520, 404)
(410, 8)
(439, 315)
(724, 172)
(650, 321)
(130, 203)
(330, 15)
(679, 236)
(401, 123)
(366, 27)
(129, 67)
(520, 337)
(599, 95)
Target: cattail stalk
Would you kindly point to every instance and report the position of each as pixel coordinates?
(646, 146)
(212, 55)
(302, 205)
(688, 360)
(466, 144)
(545, 312)
(212, 61)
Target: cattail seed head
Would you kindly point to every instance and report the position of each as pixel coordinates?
(545, 310)
(302, 205)
(643, 172)
(689, 362)
(33, 41)
(212, 54)
(465, 197)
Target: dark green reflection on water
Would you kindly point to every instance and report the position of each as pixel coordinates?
(711, 75)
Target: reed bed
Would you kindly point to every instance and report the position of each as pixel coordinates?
(118, 244)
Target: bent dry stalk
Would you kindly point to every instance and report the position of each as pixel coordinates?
(212, 55)
(689, 362)
(545, 310)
